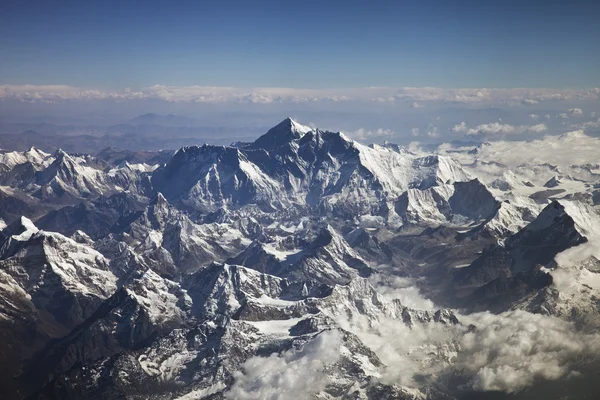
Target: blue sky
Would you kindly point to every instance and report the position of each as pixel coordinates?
(378, 70)
(301, 44)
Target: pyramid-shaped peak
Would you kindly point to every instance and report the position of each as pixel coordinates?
(302, 129)
(553, 182)
(33, 153)
(561, 221)
(281, 134)
(61, 155)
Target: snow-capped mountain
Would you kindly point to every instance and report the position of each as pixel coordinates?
(303, 264)
(292, 166)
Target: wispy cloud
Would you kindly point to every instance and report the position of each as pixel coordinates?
(497, 128)
(530, 101)
(433, 132)
(365, 134)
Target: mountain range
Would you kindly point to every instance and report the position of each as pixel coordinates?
(300, 265)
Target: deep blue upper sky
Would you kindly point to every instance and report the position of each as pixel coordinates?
(353, 43)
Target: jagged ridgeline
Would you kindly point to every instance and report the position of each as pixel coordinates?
(273, 268)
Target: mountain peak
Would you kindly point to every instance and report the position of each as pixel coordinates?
(60, 154)
(35, 154)
(296, 126)
(560, 225)
(284, 132)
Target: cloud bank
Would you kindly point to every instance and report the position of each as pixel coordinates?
(508, 352)
(564, 150)
(513, 350)
(414, 97)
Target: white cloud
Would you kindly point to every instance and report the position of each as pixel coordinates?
(414, 132)
(462, 127)
(583, 149)
(404, 351)
(590, 125)
(535, 128)
(530, 101)
(575, 112)
(507, 352)
(511, 351)
(571, 112)
(497, 128)
(403, 289)
(534, 116)
(433, 132)
(295, 374)
(365, 134)
(492, 128)
(417, 105)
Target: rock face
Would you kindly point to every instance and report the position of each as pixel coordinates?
(213, 271)
(553, 231)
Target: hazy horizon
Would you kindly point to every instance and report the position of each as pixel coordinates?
(430, 71)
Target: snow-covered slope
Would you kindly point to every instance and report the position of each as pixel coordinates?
(326, 257)
(34, 156)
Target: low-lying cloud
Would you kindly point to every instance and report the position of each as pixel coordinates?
(293, 375)
(508, 352)
(403, 289)
(513, 350)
